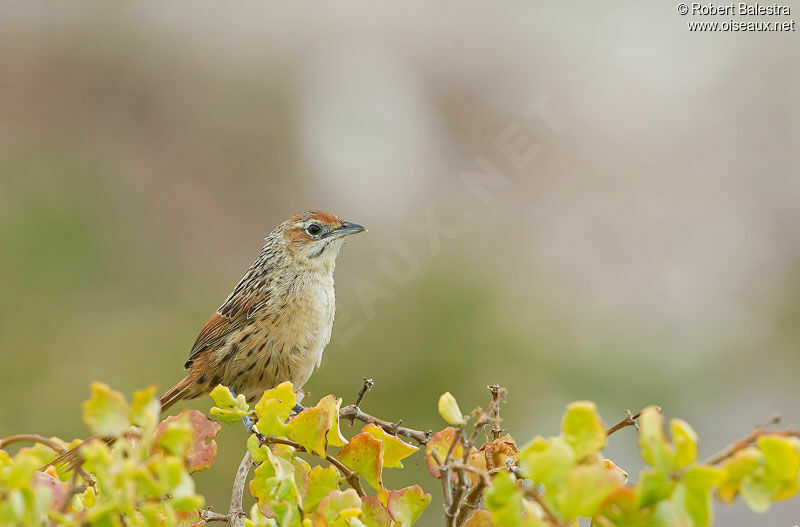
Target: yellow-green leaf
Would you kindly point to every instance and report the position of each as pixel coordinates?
(394, 449)
(449, 410)
(685, 439)
(332, 404)
(653, 486)
(584, 490)
(582, 428)
(228, 409)
(274, 408)
(547, 461)
(364, 454)
(322, 481)
(145, 409)
(653, 443)
(106, 412)
(310, 429)
(407, 505)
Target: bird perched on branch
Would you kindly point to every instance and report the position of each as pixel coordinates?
(276, 322)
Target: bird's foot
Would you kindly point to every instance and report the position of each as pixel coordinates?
(298, 408)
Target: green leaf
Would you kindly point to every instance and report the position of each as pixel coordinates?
(274, 408)
(685, 440)
(106, 412)
(228, 409)
(257, 451)
(584, 490)
(694, 492)
(582, 429)
(364, 454)
(653, 486)
(394, 449)
(286, 514)
(407, 505)
(653, 443)
(322, 481)
(504, 500)
(547, 461)
(274, 480)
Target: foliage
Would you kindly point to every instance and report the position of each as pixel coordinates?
(137, 468)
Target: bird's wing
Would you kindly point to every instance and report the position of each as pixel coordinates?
(239, 306)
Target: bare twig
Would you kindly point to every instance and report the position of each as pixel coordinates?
(630, 420)
(353, 412)
(746, 441)
(32, 438)
(368, 384)
(547, 512)
(470, 503)
(352, 478)
(236, 514)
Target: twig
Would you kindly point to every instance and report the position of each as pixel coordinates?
(60, 449)
(368, 384)
(33, 438)
(747, 441)
(630, 420)
(352, 412)
(236, 514)
(470, 503)
(351, 477)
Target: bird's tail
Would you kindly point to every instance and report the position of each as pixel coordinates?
(71, 459)
(176, 393)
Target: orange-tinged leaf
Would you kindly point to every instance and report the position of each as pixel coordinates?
(338, 504)
(406, 505)
(374, 513)
(203, 449)
(364, 454)
(274, 408)
(394, 449)
(56, 488)
(438, 447)
(310, 428)
(480, 518)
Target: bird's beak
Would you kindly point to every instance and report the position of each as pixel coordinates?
(347, 228)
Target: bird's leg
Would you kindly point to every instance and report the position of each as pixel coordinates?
(298, 408)
(249, 425)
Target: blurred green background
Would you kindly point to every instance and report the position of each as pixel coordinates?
(649, 253)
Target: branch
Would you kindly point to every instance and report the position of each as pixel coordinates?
(353, 412)
(747, 441)
(236, 514)
(50, 443)
(351, 477)
(630, 420)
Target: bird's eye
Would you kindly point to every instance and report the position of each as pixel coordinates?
(314, 229)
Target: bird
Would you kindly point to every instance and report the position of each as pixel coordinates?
(275, 324)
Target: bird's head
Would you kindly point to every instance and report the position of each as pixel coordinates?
(313, 238)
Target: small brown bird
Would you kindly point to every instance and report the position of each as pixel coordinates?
(277, 321)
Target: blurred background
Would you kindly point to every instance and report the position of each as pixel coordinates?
(575, 200)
